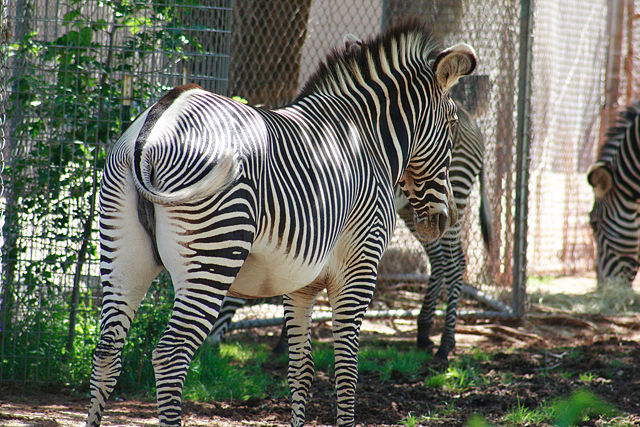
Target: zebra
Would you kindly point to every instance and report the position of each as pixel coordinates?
(248, 202)
(447, 259)
(614, 219)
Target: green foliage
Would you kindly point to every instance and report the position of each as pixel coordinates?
(476, 421)
(323, 357)
(586, 377)
(411, 420)
(65, 107)
(581, 406)
(578, 408)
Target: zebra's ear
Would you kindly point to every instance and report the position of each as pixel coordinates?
(599, 177)
(352, 43)
(453, 63)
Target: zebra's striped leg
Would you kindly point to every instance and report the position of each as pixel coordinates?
(127, 269)
(195, 310)
(427, 311)
(434, 290)
(229, 307)
(297, 314)
(349, 306)
(455, 265)
(190, 323)
(202, 270)
(281, 345)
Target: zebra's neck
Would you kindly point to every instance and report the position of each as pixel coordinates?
(387, 135)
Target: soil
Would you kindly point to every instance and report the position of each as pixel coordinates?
(532, 361)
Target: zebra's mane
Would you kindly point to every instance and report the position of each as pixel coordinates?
(616, 133)
(342, 67)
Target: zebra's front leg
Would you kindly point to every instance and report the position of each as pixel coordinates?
(432, 296)
(455, 266)
(434, 289)
(229, 307)
(349, 306)
(297, 313)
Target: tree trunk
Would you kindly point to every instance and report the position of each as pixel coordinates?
(442, 16)
(266, 49)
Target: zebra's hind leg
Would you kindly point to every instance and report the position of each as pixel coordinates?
(229, 307)
(203, 262)
(297, 313)
(127, 268)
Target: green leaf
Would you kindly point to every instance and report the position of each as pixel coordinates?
(70, 16)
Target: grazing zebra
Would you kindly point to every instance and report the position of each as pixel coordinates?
(446, 256)
(248, 202)
(615, 178)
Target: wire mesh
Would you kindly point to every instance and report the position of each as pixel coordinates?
(77, 73)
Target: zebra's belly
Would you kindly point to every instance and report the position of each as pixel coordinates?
(268, 272)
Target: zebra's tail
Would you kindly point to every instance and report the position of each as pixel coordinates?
(174, 165)
(486, 220)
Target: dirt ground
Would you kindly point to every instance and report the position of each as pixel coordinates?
(540, 356)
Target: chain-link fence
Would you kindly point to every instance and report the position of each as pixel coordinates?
(75, 73)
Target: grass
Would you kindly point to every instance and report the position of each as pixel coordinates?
(461, 374)
(236, 372)
(385, 359)
(232, 371)
(580, 407)
(440, 413)
(522, 416)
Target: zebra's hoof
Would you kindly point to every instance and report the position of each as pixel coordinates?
(425, 344)
(441, 358)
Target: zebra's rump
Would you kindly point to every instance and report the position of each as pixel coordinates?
(189, 145)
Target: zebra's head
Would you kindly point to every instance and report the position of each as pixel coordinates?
(425, 181)
(615, 224)
(419, 133)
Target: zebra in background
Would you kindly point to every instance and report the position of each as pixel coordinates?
(248, 202)
(446, 257)
(614, 218)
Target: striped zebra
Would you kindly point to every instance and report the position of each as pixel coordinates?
(236, 200)
(615, 178)
(446, 257)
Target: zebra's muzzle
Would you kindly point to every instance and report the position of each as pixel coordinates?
(435, 223)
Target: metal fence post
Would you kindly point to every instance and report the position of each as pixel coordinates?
(522, 160)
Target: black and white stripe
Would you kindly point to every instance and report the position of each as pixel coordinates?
(236, 200)
(615, 219)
